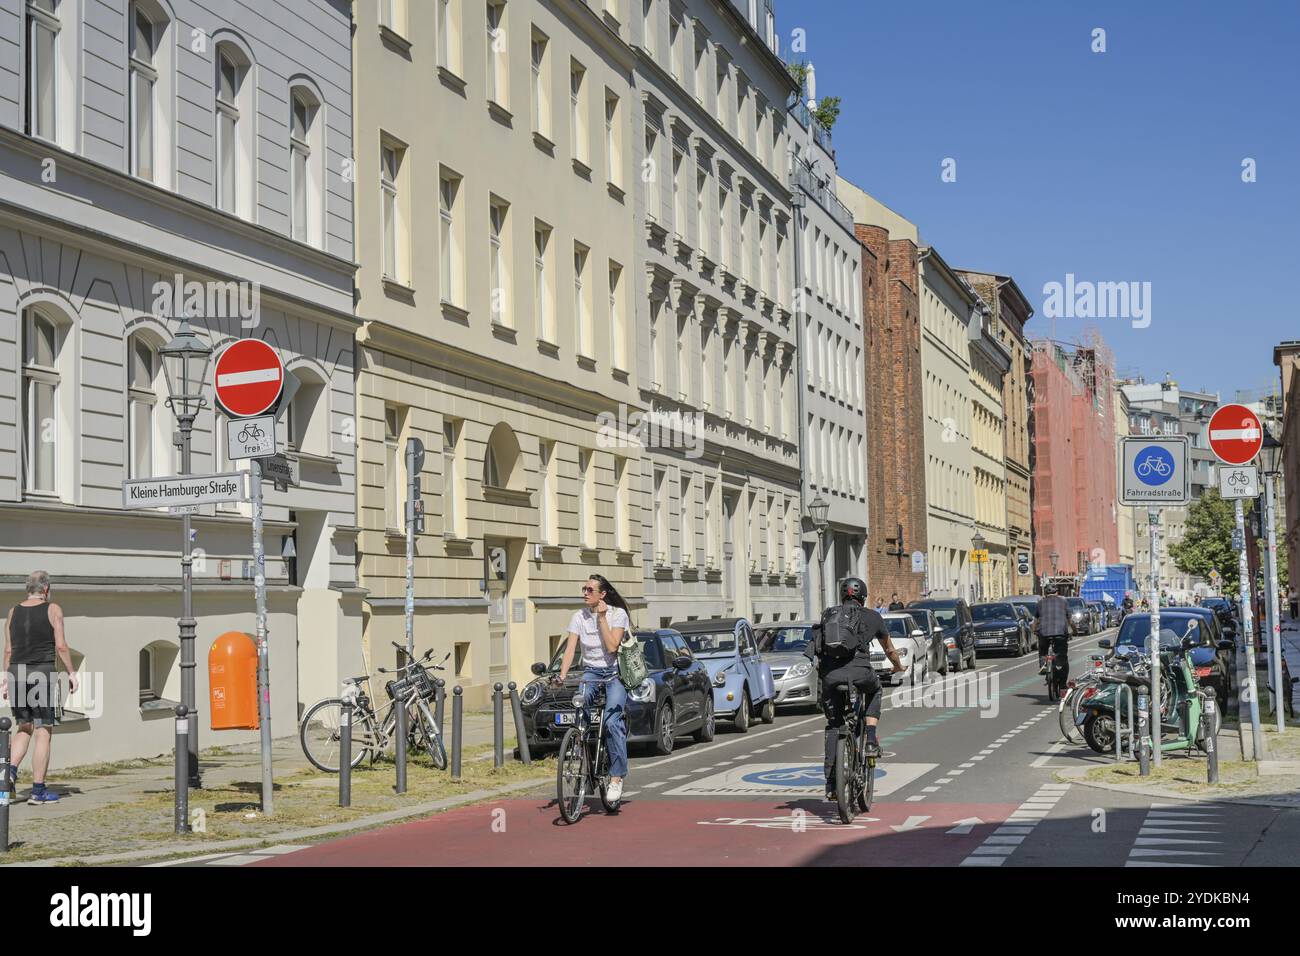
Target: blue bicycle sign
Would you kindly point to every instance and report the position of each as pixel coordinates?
(1153, 465)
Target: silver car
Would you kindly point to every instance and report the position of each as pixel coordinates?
(793, 675)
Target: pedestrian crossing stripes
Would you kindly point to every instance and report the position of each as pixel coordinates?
(1177, 834)
(1002, 842)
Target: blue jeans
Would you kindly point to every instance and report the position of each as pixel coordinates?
(615, 716)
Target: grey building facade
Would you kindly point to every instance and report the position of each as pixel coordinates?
(159, 157)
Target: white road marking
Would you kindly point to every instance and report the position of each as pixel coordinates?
(1004, 840)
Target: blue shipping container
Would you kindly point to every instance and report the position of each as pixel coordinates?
(1113, 580)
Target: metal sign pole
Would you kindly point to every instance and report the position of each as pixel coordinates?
(263, 648)
(1249, 686)
(1281, 693)
(1153, 517)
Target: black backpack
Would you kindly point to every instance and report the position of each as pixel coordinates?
(840, 628)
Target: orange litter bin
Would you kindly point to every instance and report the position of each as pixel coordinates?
(232, 682)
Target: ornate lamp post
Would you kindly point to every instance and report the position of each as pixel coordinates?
(818, 509)
(185, 364)
(977, 543)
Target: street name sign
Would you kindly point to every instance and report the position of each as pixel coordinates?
(184, 490)
(249, 377)
(1235, 434)
(250, 437)
(1239, 482)
(279, 469)
(1153, 471)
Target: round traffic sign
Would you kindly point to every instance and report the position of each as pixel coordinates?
(249, 377)
(1235, 434)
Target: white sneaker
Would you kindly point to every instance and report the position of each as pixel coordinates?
(615, 791)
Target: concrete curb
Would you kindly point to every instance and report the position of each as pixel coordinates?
(185, 848)
(1075, 775)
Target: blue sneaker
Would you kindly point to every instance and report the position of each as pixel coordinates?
(45, 796)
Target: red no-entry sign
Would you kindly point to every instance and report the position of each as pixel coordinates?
(249, 377)
(1235, 434)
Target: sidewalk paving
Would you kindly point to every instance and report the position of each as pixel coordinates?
(123, 812)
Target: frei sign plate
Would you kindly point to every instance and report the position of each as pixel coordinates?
(1239, 482)
(1153, 471)
(1236, 435)
(250, 437)
(185, 491)
(248, 377)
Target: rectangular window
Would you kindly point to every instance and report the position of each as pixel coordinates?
(621, 539)
(724, 235)
(40, 401)
(144, 77)
(686, 512)
(390, 158)
(660, 518)
(42, 69)
(452, 251)
(444, 33)
(586, 498)
(541, 102)
(452, 502)
(393, 477)
(498, 59)
(228, 132)
(499, 261)
(546, 512)
(701, 213)
(578, 113)
(143, 401)
(542, 291)
(617, 334)
(651, 174)
(701, 64)
(656, 364)
(675, 34)
(648, 26)
(613, 139)
(679, 202)
(301, 117)
(581, 302)
(711, 546)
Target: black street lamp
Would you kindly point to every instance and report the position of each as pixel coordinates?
(818, 509)
(185, 364)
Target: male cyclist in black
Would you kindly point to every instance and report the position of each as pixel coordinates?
(841, 647)
(1054, 632)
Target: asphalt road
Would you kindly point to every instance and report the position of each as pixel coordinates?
(966, 780)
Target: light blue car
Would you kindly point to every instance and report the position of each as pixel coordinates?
(741, 679)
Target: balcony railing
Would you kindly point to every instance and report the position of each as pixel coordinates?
(820, 191)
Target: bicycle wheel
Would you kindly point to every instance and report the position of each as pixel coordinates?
(845, 798)
(431, 737)
(1065, 712)
(867, 795)
(319, 734)
(571, 775)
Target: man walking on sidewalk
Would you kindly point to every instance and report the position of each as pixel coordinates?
(33, 636)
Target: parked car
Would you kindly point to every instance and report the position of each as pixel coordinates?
(938, 649)
(913, 646)
(1031, 603)
(1226, 609)
(1031, 624)
(998, 627)
(794, 676)
(958, 628)
(675, 700)
(1080, 616)
(1217, 673)
(742, 680)
(1209, 660)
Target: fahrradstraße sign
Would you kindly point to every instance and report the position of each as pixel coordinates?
(1153, 470)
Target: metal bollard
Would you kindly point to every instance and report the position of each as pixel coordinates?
(524, 756)
(6, 795)
(182, 769)
(498, 728)
(1123, 696)
(1144, 742)
(457, 719)
(345, 754)
(439, 701)
(1211, 735)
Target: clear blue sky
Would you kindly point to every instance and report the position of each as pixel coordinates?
(1115, 166)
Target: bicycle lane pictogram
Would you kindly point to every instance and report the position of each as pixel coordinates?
(649, 832)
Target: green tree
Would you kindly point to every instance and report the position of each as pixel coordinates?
(828, 111)
(1207, 541)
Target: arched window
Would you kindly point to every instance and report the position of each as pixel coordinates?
(235, 115)
(142, 402)
(306, 167)
(308, 415)
(42, 421)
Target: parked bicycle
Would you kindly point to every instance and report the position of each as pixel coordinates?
(855, 769)
(375, 731)
(584, 757)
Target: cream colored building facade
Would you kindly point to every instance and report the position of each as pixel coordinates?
(948, 306)
(990, 361)
(499, 276)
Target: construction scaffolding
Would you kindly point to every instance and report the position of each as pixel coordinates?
(1073, 462)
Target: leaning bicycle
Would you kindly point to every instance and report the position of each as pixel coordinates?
(583, 764)
(374, 731)
(855, 768)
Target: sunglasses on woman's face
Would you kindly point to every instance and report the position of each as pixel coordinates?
(588, 590)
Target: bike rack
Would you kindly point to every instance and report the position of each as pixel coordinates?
(1124, 693)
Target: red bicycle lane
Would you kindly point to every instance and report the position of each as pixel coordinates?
(648, 832)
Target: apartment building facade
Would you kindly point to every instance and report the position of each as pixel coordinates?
(499, 280)
(1011, 310)
(896, 486)
(1286, 356)
(833, 370)
(160, 159)
(715, 338)
(990, 362)
(948, 306)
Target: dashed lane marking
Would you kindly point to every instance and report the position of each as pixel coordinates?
(1003, 842)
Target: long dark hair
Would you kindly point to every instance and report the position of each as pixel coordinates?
(612, 597)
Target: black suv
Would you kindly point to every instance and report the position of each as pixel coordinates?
(954, 617)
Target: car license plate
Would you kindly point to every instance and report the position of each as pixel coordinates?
(986, 640)
(562, 719)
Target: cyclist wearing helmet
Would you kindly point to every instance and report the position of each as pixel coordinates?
(1054, 631)
(841, 646)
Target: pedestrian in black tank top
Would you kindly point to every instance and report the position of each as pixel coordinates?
(33, 640)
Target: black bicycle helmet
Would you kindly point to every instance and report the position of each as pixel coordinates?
(853, 589)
